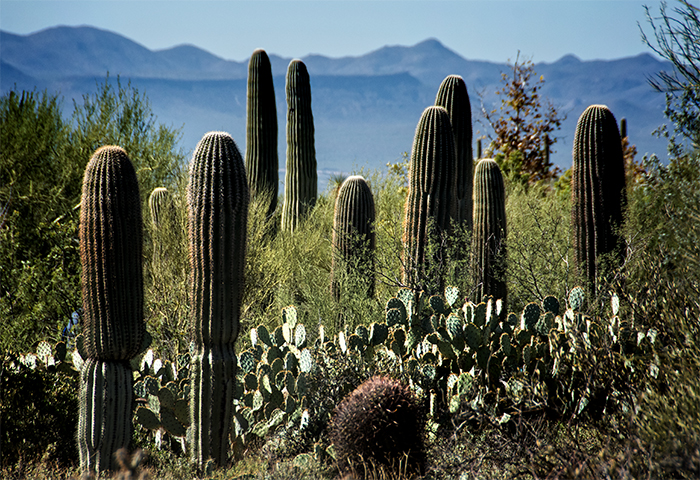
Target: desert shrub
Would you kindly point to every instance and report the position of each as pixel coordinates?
(39, 409)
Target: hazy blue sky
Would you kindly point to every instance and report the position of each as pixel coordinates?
(493, 30)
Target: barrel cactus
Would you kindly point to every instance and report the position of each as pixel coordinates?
(301, 178)
(489, 240)
(597, 190)
(353, 235)
(261, 160)
(217, 197)
(162, 208)
(379, 424)
(112, 288)
(454, 97)
(430, 192)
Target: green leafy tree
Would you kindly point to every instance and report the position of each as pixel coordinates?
(676, 38)
(523, 126)
(42, 161)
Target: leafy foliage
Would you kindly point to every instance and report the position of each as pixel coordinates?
(522, 126)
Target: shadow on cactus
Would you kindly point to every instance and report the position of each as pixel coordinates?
(379, 424)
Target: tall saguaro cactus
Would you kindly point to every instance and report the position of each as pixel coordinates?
(454, 97)
(112, 287)
(597, 189)
(301, 178)
(261, 159)
(353, 235)
(430, 191)
(489, 241)
(217, 198)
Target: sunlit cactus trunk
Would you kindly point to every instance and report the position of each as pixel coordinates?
(301, 178)
(430, 192)
(353, 236)
(597, 190)
(112, 288)
(261, 158)
(489, 241)
(217, 196)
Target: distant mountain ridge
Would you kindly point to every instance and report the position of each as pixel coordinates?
(365, 107)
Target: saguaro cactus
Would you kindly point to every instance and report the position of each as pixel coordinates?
(489, 241)
(261, 160)
(353, 235)
(217, 197)
(112, 287)
(597, 189)
(301, 178)
(430, 191)
(454, 97)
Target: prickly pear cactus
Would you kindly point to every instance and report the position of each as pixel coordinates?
(597, 190)
(489, 234)
(112, 288)
(454, 97)
(430, 192)
(301, 178)
(353, 236)
(261, 160)
(217, 196)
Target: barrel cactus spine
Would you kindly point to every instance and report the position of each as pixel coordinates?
(301, 178)
(427, 209)
(261, 158)
(217, 198)
(489, 241)
(453, 96)
(353, 235)
(112, 288)
(597, 190)
(378, 425)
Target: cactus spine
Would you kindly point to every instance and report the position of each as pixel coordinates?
(597, 189)
(353, 234)
(430, 188)
(454, 97)
(301, 180)
(112, 288)
(261, 160)
(217, 197)
(489, 230)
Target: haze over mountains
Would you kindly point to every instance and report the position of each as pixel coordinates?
(365, 108)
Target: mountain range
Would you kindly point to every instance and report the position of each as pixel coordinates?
(365, 108)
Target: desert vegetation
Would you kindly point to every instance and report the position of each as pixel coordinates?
(170, 319)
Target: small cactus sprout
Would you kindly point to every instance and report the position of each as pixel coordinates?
(379, 425)
(353, 236)
(454, 97)
(489, 230)
(162, 208)
(430, 192)
(301, 178)
(112, 288)
(597, 190)
(261, 160)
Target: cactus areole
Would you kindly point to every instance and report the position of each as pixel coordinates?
(597, 189)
